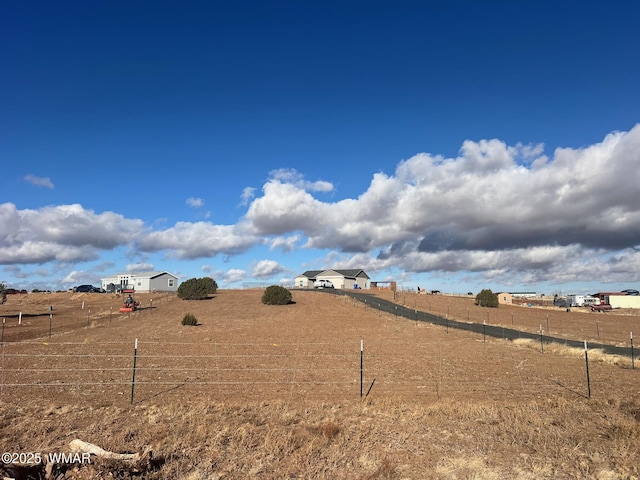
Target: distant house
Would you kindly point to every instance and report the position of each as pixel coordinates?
(604, 296)
(307, 279)
(523, 294)
(628, 298)
(505, 298)
(622, 300)
(143, 281)
(345, 279)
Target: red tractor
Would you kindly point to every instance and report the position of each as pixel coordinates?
(130, 305)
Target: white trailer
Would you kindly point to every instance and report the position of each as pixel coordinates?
(575, 300)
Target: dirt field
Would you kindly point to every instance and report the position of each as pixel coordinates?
(258, 391)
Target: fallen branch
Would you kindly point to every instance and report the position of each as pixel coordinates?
(84, 447)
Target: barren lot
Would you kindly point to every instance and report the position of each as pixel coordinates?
(260, 391)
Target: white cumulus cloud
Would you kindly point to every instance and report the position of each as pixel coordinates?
(61, 233)
(493, 207)
(267, 268)
(187, 240)
(44, 182)
(195, 202)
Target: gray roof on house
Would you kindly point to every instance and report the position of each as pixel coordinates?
(312, 274)
(353, 273)
(152, 274)
(143, 274)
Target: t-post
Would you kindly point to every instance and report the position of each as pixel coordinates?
(586, 359)
(361, 365)
(133, 379)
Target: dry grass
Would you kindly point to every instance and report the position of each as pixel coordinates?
(594, 354)
(487, 410)
(381, 439)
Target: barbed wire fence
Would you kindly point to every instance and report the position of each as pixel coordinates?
(24, 326)
(430, 370)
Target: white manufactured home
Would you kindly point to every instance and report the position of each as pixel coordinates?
(345, 279)
(143, 281)
(523, 294)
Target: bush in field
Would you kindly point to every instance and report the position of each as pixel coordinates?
(276, 295)
(210, 284)
(189, 319)
(3, 293)
(197, 288)
(486, 298)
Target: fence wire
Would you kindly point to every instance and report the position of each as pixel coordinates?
(285, 370)
(301, 370)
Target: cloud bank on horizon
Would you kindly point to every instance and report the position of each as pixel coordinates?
(508, 213)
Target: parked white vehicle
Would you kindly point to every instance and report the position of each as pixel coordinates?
(323, 284)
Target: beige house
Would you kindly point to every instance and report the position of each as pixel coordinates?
(345, 279)
(504, 298)
(307, 279)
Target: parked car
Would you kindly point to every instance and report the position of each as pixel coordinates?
(87, 289)
(603, 307)
(113, 288)
(323, 284)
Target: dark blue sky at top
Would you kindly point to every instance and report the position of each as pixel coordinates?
(235, 89)
(166, 112)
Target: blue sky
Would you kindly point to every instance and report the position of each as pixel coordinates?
(448, 145)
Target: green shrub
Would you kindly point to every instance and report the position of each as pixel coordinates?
(197, 288)
(210, 284)
(189, 319)
(3, 293)
(486, 298)
(276, 295)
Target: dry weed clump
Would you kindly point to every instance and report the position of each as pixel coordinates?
(329, 429)
(595, 354)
